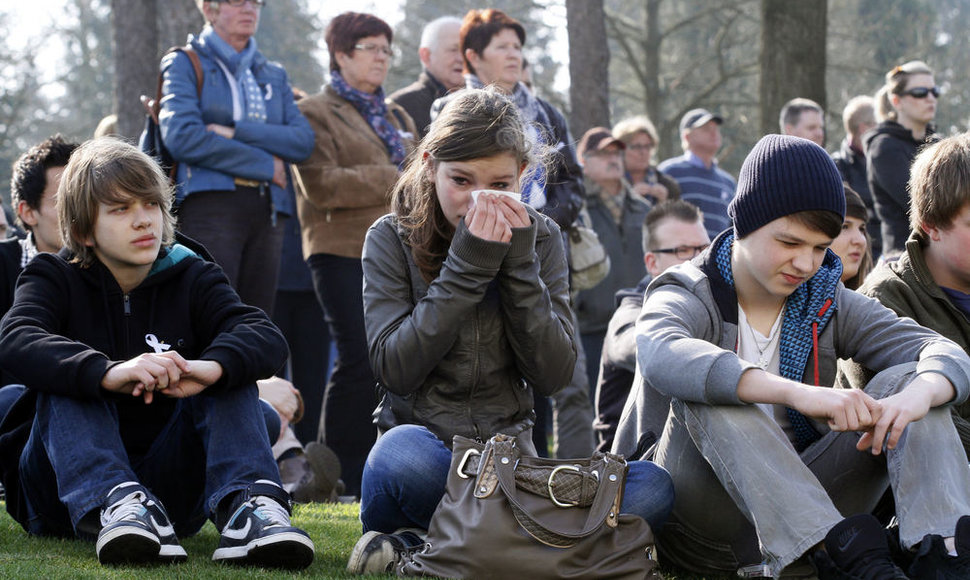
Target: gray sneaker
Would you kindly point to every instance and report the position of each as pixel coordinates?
(377, 553)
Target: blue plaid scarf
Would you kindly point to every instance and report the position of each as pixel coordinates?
(239, 65)
(807, 310)
(373, 109)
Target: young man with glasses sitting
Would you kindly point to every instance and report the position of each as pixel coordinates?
(673, 233)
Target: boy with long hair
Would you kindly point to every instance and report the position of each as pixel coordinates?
(141, 365)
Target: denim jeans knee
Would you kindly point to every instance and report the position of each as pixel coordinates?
(404, 479)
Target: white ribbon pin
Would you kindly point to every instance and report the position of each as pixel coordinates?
(156, 345)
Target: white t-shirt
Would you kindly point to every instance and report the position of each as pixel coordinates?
(765, 351)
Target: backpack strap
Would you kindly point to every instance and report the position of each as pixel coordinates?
(154, 106)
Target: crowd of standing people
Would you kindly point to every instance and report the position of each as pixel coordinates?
(427, 235)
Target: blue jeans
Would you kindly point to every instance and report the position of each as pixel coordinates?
(213, 445)
(406, 471)
(351, 398)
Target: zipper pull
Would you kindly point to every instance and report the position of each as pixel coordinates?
(127, 306)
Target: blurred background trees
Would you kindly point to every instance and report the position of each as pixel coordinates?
(664, 58)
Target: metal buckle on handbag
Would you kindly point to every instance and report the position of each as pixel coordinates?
(552, 494)
(464, 459)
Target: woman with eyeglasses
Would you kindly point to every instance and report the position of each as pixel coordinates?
(234, 136)
(641, 140)
(905, 107)
(361, 145)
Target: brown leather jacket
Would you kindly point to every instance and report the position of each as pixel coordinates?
(346, 181)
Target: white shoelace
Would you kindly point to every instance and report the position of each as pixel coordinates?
(270, 510)
(128, 508)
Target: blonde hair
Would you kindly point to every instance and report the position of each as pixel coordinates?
(108, 170)
(896, 81)
(939, 183)
(630, 127)
(858, 111)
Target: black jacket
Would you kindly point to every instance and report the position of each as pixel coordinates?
(852, 166)
(416, 99)
(68, 325)
(890, 149)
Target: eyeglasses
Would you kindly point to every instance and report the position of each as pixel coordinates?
(373, 48)
(683, 252)
(640, 147)
(922, 92)
(257, 3)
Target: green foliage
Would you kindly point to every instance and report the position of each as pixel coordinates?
(19, 97)
(288, 33)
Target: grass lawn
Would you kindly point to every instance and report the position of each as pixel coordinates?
(333, 527)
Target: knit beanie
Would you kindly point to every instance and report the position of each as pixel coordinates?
(783, 175)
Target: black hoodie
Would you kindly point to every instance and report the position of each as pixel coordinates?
(68, 325)
(890, 149)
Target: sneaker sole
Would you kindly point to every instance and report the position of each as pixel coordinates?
(128, 545)
(287, 550)
(172, 554)
(361, 562)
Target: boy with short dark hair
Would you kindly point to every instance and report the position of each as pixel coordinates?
(766, 458)
(930, 282)
(143, 364)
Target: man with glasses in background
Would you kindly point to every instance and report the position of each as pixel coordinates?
(673, 233)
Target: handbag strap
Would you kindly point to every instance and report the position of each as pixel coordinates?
(566, 484)
(604, 506)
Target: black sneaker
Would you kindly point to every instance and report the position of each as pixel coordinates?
(934, 562)
(377, 553)
(856, 549)
(135, 529)
(259, 532)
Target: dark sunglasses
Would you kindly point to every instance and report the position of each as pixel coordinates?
(921, 92)
(682, 252)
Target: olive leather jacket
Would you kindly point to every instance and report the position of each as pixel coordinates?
(462, 354)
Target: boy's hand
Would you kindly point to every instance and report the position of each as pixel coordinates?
(145, 374)
(926, 391)
(200, 375)
(843, 409)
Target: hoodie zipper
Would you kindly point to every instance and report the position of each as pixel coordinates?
(821, 313)
(127, 309)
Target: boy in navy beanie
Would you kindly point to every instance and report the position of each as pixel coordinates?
(768, 459)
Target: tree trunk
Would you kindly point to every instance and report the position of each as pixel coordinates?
(135, 41)
(176, 20)
(793, 38)
(589, 61)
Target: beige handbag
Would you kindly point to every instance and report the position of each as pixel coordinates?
(507, 515)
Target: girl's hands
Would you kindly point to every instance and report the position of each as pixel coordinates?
(487, 219)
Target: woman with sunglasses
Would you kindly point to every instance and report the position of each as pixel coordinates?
(361, 144)
(905, 107)
(234, 133)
